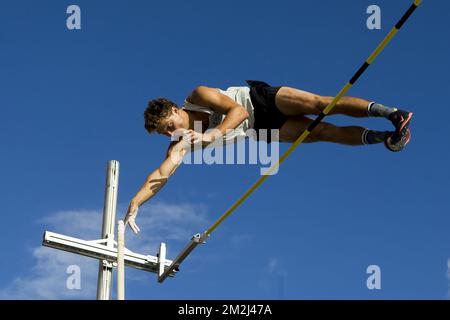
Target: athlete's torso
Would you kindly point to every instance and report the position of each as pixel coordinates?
(240, 95)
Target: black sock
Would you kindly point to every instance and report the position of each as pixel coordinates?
(374, 137)
(378, 110)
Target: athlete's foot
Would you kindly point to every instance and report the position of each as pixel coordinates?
(400, 119)
(395, 142)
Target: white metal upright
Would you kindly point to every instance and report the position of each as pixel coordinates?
(109, 216)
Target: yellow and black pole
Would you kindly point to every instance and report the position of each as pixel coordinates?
(199, 239)
(319, 118)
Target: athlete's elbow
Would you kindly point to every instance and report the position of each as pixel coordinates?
(243, 113)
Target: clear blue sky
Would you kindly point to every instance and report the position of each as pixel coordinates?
(72, 100)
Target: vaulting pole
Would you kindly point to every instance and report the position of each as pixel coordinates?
(319, 118)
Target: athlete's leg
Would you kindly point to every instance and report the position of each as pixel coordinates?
(324, 131)
(292, 102)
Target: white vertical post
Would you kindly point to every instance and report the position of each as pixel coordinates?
(161, 259)
(120, 260)
(109, 217)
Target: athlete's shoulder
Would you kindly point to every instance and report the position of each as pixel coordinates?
(203, 94)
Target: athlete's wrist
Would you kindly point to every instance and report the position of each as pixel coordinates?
(208, 138)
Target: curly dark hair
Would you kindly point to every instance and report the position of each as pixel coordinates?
(157, 110)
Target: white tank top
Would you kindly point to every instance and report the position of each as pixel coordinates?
(240, 95)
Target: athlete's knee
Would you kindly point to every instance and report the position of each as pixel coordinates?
(323, 101)
(314, 101)
(324, 132)
(318, 103)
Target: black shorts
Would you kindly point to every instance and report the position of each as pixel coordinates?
(267, 115)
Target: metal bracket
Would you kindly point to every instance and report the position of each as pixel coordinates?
(175, 265)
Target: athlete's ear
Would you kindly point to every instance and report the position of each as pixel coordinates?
(175, 110)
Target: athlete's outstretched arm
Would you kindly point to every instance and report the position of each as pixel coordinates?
(156, 180)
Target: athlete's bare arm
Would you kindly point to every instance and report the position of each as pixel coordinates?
(156, 180)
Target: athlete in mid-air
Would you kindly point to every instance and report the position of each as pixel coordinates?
(257, 106)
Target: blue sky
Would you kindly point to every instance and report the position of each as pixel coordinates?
(72, 100)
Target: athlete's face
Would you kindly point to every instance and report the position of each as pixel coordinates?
(172, 123)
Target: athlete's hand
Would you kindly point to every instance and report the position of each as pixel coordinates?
(130, 218)
(192, 136)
